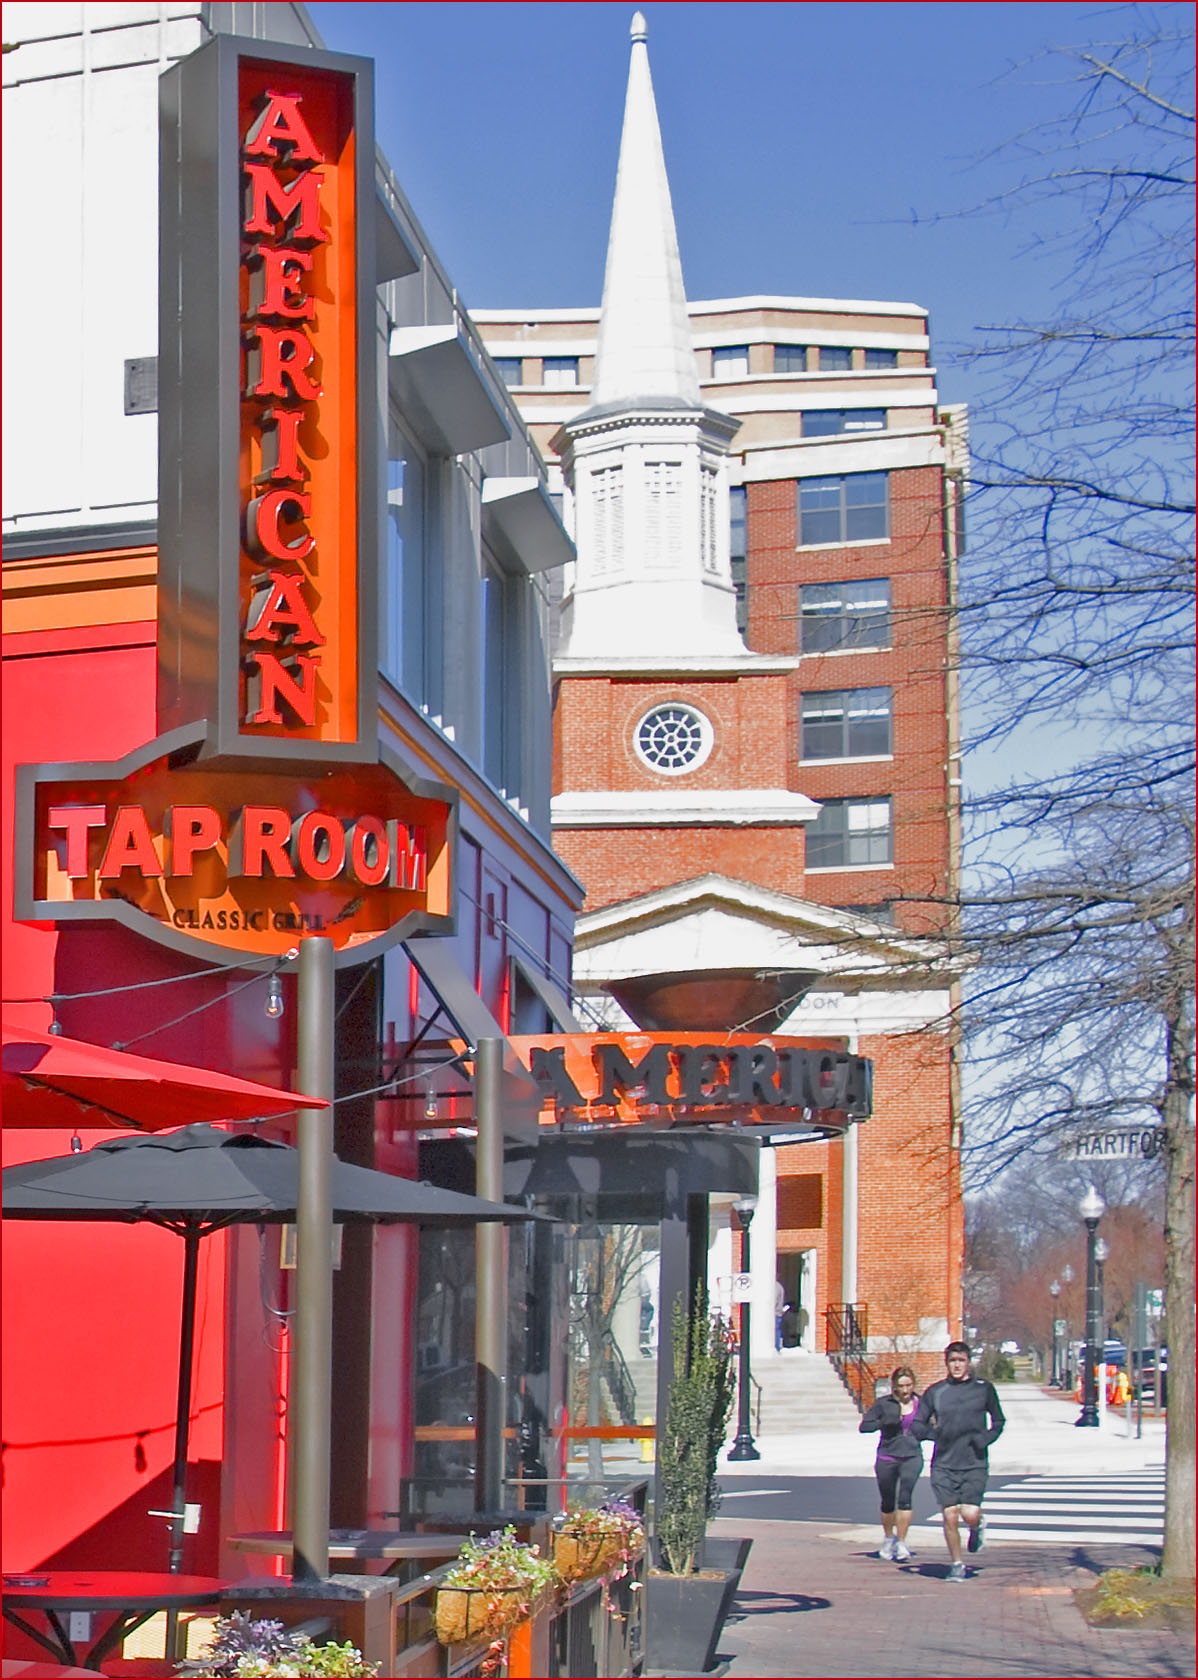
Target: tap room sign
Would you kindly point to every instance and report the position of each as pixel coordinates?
(268, 479)
(264, 809)
(205, 858)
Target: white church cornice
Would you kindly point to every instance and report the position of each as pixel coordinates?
(692, 666)
(705, 807)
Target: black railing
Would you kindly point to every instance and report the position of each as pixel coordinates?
(848, 1342)
(618, 1377)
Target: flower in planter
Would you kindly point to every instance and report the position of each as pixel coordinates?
(243, 1646)
(601, 1540)
(496, 1583)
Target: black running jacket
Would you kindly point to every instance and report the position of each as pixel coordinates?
(964, 1419)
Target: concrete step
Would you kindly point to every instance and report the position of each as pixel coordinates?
(803, 1392)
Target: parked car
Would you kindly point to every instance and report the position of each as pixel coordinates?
(1148, 1364)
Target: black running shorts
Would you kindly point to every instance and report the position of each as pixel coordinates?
(957, 1487)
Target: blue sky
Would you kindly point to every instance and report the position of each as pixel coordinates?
(828, 150)
(810, 146)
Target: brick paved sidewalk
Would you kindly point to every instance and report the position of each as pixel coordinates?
(815, 1601)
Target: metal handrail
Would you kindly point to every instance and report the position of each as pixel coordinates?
(619, 1379)
(848, 1342)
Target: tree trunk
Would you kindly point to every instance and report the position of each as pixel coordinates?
(1178, 1557)
(594, 1399)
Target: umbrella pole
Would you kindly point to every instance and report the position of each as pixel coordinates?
(187, 1328)
(313, 1324)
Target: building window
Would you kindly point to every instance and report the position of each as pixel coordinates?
(730, 361)
(738, 548)
(790, 358)
(559, 373)
(881, 358)
(412, 602)
(835, 358)
(846, 723)
(828, 422)
(500, 680)
(853, 507)
(510, 369)
(837, 616)
(673, 739)
(850, 833)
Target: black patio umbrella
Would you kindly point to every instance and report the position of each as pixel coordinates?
(201, 1179)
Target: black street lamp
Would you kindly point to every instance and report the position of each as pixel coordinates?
(1066, 1351)
(1054, 1289)
(742, 1448)
(1092, 1208)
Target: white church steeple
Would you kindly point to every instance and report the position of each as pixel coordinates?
(646, 462)
(645, 345)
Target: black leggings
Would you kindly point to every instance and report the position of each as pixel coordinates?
(901, 1474)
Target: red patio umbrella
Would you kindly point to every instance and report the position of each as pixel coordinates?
(50, 1080)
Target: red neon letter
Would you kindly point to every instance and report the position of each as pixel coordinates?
(280, 448)
(282, 603)
(130, 845)
(192, 829)
(273, 367)
(76, 820)
(269, 195)
(280, 129)
(409, 857)
(262, 519)
(369, 851)
(281, 291)
(272, 682)
(318, 846)
(260, 837)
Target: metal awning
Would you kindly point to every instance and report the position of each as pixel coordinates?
(438, 966)
(551, 995)
(521, 526)
(441, 388)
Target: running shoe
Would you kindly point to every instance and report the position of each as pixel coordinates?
(977, 1536)
(956, 1572)
(901, 1553)
(886, 1549)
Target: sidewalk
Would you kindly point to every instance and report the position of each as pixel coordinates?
(1040, 1436)
(815, 1600)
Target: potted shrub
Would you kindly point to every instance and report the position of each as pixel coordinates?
(687, 1603)
(604, 1540)
(495, 1584)
(245, 1645)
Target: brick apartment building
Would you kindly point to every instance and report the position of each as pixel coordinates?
(756, 765)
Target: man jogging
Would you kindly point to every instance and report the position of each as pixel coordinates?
(961, 1414)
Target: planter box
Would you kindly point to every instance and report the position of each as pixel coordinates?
(684, 1617)
(726, 1552)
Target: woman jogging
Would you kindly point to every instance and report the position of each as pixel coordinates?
(899, 1460)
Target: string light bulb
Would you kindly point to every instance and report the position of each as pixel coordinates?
(430, 1104)
(274, 997)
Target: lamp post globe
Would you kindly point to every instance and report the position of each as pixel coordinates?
(1092, 1207)
(743, 1448)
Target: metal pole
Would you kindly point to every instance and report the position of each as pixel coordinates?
(743, 1448)
(312, 1338)
(1089, 1413)
(490, 1298)
(1140, 1335)
(187, 1326)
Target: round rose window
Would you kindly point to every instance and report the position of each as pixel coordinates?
(673, 738)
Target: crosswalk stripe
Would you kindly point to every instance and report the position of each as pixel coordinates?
(1078, 1510)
